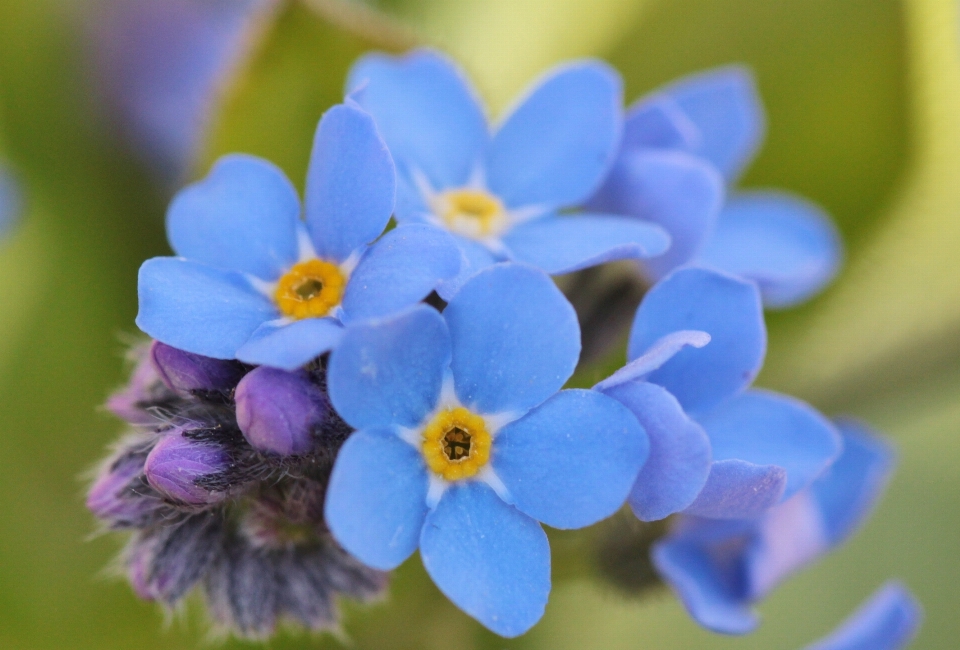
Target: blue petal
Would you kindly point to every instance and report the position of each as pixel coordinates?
(555, 147)
(726, 308)
(351, 183)
(658, 122)
(491, 560)
(376, 498)
(888, 621)
(570, 243)
(571, 461)
(198, 308)
(400, 270)
(426, 111)
(675, 190)
(515, 339)
(474, 257)
(739, 489)
(654, 357)
(679, 460)
(242, 217)
(389, 372)
(710, 588)
(725, 106)
(785, 244)
(290, 345)
(766, 428)
(849, 489)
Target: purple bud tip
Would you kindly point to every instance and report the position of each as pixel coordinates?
(278, 410)
(175, 464)
(185, 371)
(106, 499)
(125, 403)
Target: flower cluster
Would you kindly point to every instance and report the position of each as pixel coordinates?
(326, 394)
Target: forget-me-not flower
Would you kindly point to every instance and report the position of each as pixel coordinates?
(682, 145)
(717, 450)
(500, 192)
(464, 444)
(889, 620)
(721, 568)
(255, 282)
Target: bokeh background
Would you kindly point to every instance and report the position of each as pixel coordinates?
(863, 101)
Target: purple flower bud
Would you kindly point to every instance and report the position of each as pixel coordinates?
(111, 498)
(185, 371)
(139, 562)
(126, 404)
(177, 462)
(278, 410)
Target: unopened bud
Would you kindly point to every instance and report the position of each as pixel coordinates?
(278, 411)
(187, 372)
(113, 496)
(176, 464)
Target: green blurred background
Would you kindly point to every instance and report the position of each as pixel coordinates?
(863, 100)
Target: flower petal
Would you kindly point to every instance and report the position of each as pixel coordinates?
(726, 308)
(515, 339)
(654, 357)
(242, 217)
(787, 245)
(570, 243)
(399, 270)
(490, 559)
(765, 428)
(351, 183)
(680, 192)
(708, 587)
(680, 455)
(849, 489)
(198, 308)
(390, 372)
(474, 257)
(426, 111)
(739, 489)
(888, 621)
(376, 499)
(290, 345)
(557, 144)
(571, 461)
(725, 106)
(657, 122)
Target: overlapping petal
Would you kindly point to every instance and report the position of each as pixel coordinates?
(490, 559)
(474, 257)
(787, 245)
(726, 308)
(889, 620)
(571, 461)
(389, 373)
(570, 243)
(556, 145)
(657, 122)
(675, 190)
(280, 344)
(426, 111)
(351, 183)
(766, 428)
(739, 489)
(725, 106)
(654, 357)
(399, 270)
(679, 461)
(376, 499)
(199, 308)
(515, 339)
(242, 217)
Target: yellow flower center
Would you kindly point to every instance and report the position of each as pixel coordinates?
(310, 289)
(472, 213)
(456, 444)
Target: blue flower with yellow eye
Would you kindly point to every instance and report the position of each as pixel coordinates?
(721, 568)
(464, 444)
(255, 282)
(683, 146)
(500, 192)
(718, 449)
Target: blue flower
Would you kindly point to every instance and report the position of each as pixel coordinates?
(500, 192)
(717, 449)
(720, 568)
(889, 620)
(255, 282)
(682, 146)
(464, 443)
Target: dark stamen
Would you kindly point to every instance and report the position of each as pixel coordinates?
(456, 444)
(309, 288)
